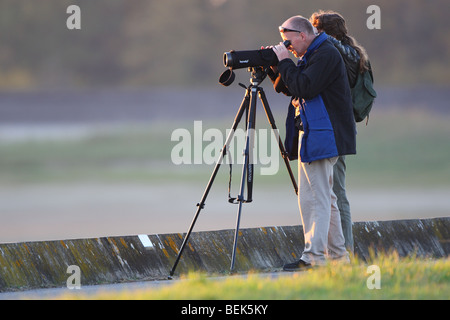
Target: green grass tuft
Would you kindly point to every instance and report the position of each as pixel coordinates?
(400, 278)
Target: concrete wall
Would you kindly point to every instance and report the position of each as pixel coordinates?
(150, 257)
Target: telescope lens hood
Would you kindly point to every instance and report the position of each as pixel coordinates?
(227, 77)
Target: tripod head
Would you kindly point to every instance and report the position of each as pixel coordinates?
(258, 75)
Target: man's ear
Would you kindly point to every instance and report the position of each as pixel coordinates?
(302, 35)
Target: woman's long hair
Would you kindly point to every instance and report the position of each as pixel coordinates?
(334, 25)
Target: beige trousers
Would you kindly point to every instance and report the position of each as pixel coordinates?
(319, 212)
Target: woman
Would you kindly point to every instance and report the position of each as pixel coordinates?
(354, 55)
(356, 61)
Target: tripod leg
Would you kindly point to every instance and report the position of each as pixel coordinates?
(271, 119)
(201, 204)
(247, 168)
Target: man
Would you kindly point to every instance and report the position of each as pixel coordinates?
(321, 108)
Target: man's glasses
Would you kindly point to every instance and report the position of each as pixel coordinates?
(283, 30)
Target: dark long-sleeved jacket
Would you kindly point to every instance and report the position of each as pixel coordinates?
(320, 82)
(351, 59)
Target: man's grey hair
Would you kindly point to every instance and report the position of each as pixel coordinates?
(301, 24)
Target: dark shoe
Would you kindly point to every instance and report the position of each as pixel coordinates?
(297, 266)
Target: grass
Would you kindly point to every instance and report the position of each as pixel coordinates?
(395, 149)
(400, 278)
(402, 149)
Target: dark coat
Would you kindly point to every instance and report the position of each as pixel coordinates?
(319, 79)
(351, 59)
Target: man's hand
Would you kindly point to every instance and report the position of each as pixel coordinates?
(281, 51)
(296, 102)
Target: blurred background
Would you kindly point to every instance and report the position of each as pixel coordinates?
(86, 116)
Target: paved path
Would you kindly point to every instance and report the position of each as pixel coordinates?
(88, 291)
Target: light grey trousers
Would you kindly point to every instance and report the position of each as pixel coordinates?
(319, 212)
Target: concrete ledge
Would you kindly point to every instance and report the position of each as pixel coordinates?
(116, 259)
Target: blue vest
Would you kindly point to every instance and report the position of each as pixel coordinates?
(318, 141)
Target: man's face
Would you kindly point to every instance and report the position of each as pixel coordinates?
(298, 45)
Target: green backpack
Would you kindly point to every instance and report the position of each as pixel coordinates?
(363, 95)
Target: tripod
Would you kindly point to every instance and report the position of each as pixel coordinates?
(248, 105)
